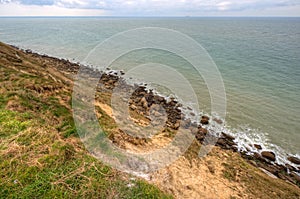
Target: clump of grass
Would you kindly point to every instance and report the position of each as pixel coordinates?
(12, 122)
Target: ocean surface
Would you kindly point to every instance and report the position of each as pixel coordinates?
(258, 58)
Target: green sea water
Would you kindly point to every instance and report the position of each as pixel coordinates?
(259, 60)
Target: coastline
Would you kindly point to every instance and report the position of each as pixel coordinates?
(263, 160)
(264, 157)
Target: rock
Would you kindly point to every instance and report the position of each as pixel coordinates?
(204, 119)
(290, 167)
(144, 102)
(200, 135)
(257, 146)
(258, 157)
(286, 178)
(294, 160)
(295, 176)
(218, 121)
(177, 125)
(203, 131)
(271, 168)
(227, 136)
(221, 141)
(268, 155)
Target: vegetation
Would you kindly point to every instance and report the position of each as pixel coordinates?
(41, 155)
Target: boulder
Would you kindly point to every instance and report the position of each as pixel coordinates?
(257, 146)
(227, 136)
(204, 119)
(294, 160)
(268, 155)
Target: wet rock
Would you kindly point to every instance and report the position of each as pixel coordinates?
(268, 155)
(294, 160)
(204, 119)
(257, 146)
(227, 136)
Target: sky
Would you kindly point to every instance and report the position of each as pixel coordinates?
(149, 7)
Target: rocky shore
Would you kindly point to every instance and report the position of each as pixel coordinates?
(142, 99)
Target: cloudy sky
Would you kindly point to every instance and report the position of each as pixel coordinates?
(149, 7)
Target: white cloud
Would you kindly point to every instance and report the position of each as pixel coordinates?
(17, 9)
(156, 7)
(225, 5)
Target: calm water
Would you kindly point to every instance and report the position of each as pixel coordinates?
(259, 59)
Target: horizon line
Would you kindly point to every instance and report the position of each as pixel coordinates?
(107, 16)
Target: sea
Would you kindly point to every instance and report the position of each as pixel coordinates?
(258, 59)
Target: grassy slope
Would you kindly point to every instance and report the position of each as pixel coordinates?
(40, 153)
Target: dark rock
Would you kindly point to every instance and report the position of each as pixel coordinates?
(177, 125)
(203, 131)
(268, 155)
(290, 167)
(235, 148)
(204, 120)
(257, 146)
(294, 160)
(229, 137)
(271, 168)
(258, 157)
(221, 141)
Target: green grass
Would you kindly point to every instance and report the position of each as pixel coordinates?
(12, 122)
(41, 155)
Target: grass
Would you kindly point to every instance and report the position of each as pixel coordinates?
(41, 155)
